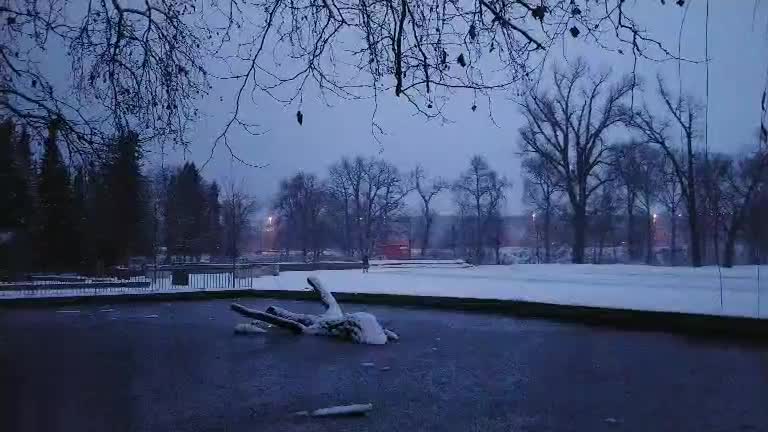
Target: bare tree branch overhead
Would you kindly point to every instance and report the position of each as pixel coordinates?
(133, 65)
(144, 65)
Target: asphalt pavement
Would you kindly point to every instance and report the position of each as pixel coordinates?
(178, 367)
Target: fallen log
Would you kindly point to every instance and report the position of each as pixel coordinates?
(268, 318)
(358, 327)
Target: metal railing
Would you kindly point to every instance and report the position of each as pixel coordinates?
(183, 278)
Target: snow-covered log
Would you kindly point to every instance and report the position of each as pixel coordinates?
(391, 335)
(358, 327)
(269, 318)
(332, 309)
(303, 319)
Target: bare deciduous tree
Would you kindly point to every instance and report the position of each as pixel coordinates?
(343, 186)
(657, 131)
(542, 190)
(603, 213)
(479, 193)
(496, 233)
(625, 168)
(649, 168)
(566, 129)
(302, 205)
(671, 199)
(368, 193)
(711, 172)
(757, 229)
(743, 181)
(236, 212)
(427, 190)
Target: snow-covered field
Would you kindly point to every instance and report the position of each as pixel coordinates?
(675, 289)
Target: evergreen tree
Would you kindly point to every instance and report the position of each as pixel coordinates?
(80, 217)
(159, 194)
(8, 219)
(128, 195)
(23, 205)
(214, 229)
(185, 212)
(26, 177)
(100, 249)
(57, 233)
(14, 177)
(115, 204)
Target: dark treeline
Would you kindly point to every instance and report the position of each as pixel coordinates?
(64, 217)
(66, 213)
(601, 174)
(608, 178)
(592, 191)
(361, 203)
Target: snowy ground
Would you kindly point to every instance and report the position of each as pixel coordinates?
(675, 289)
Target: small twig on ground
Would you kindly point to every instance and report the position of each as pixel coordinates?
(341, 410)
(248, 329)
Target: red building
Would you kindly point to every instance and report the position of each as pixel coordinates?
(395, 250)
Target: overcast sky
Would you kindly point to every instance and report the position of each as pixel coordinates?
(737, 47)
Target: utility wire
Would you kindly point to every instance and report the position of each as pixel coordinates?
(706, 130)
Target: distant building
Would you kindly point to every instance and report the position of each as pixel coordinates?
(395, 250)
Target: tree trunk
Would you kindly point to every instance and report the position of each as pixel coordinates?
(673, 240)
(547, 247)
(716, 241)
(594, 254)
(730, 248)
(693, 224)
(579, 235)
(425, 235)
(347, 230)
(631, 253)
(478, 228)
(649, 238)
(601, 246)
(694, 243)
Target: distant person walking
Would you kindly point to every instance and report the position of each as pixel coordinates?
(366, 264)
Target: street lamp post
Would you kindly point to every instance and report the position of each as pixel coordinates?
(536, 236)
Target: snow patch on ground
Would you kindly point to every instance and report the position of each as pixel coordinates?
(639, 287)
